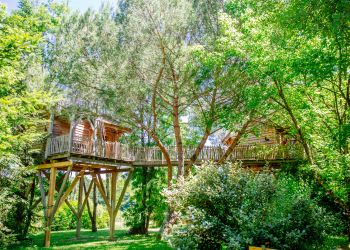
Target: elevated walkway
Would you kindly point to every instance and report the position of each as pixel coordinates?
(121, 154)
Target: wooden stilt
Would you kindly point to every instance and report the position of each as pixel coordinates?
(80, 205)
(121, 197)
(50, 199)
(113, 199)
(103, 194)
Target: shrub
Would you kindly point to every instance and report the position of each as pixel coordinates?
(236, 207)
(65, 219)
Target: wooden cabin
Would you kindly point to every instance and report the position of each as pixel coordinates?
(271, 145)
(85, 137)
(269, 135)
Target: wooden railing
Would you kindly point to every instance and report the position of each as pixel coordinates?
(110, 150)
(57, 145)
(140, 155)
(214, 153)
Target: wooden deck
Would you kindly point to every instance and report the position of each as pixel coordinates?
(152, 156)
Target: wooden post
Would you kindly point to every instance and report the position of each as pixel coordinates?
(50, 199)
(80, 204)
(113, 199)
(71, 133)
(123, 193)
(50, 131)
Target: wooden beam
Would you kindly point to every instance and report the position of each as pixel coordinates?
(71, 133)
(71, 208)
(103, 194)
(101, 182)
(86, 197)
(87, 201)
(106, 163)
(66, 200)
(50, 199)
(60, 192)
(70, 188)
(55, 165)
(109, 171)
(113, 199)
(122, 193)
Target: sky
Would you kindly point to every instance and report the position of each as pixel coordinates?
(80, 5)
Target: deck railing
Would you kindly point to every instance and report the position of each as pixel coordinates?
(214, 153)
(139, 155)
(110, 150)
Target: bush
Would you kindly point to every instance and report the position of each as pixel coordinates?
(65, 219)
(235, 207)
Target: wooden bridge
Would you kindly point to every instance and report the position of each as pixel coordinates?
(90, 159)
(60, 146)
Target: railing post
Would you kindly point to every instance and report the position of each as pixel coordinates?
(71, 133)
(50, 130)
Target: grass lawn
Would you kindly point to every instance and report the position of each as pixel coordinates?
(98, 240)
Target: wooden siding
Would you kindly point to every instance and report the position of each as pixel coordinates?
(84, 131)
(60, 127)
(267, 136)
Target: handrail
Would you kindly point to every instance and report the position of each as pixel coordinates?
(119, 151)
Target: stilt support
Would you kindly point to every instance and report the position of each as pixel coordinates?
(113, 199)
(50, 199)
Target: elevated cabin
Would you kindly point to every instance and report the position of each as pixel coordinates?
(269, 135)
(271, 144)
(98, 138)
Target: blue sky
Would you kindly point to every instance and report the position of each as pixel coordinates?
(80, 5)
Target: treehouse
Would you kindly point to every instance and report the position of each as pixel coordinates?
(85, 138)
(78, 152)
(91, 147)
(269, 135)
(272, 145)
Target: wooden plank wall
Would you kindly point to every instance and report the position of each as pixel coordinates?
(268, 136)
(60, 127)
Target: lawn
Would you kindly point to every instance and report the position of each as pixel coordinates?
(98, 240)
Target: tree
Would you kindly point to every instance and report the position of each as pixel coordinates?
(23, 104)
(300, 52)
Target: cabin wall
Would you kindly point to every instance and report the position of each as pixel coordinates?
(84, 131)
(268, 136)
(60, 127)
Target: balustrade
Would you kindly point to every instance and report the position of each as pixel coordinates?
(118, 151)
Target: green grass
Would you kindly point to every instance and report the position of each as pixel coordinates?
(98, 240)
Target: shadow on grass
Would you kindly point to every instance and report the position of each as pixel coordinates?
(98, 240)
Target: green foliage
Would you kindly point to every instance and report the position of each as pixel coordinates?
(234, 207)
(147, 203)
(65, 219)
(23, 107)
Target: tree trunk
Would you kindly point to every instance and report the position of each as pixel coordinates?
(289, 110)
(94, 210)
(235, 142)
(165, 153)
(198, 149)
(29, 210)
(178, 138)
(345, 207)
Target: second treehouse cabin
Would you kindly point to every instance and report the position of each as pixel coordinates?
(98, 138)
